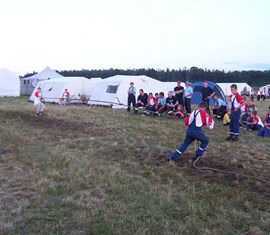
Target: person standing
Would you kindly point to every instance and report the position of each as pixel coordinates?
(131, 96)
(252, 94)
(178, 91)
(236, 104)
(206, 92)
(263, 94)
(38, 103)
(65, 97)
(258, 95)
(187, 95)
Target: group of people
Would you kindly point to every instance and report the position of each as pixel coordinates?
(261, 95)
(39, 101)
(235, 113)
(158, 103)
(178, 105)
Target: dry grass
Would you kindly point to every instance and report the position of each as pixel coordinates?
(87, 170)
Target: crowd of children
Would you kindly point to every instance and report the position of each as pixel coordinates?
(236, 113)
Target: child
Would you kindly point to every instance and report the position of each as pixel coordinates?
(254, 123)
(65, 97)
(188, 92)
(265, 132)
(131, 96)
(220, 107)
(226, 118)
(195, 121)
(38, 103)
(171, 104)
(179, 111)
(141, 101)
(244, 112)
(161, 104)
(236, 103)
(251, 108)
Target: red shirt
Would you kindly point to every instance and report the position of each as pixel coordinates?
(201, 119)
(237, 100)
(254, 119)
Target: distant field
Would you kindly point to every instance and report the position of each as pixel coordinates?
(91, 170)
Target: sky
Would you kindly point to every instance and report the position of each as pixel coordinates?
(101, 34)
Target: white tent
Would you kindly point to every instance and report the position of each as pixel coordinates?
(29, 83)
(114, 89)
(226, 87)
(171, 85)
(267, 89)
(9, 83)
(78, 87)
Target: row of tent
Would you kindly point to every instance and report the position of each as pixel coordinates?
(109, 90)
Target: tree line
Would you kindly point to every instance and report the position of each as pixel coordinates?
(252, 77)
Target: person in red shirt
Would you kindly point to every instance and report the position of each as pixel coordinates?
(236, 102)
(38, 103)
(179, 111)
(254, 122)
(65, 97)
(195, 121)
(265, 132)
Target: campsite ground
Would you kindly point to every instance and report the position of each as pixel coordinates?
(91, 170)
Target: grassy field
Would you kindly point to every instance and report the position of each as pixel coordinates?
(91, 170)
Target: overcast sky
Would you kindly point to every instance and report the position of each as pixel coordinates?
(76, 34)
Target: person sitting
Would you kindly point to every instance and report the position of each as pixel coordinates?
(265, 132)
(171, 104)
(254, 123)
(161, 104)
(151, 102)
(179, 111)
(250, 109)
(219, 108)
(244, 112)
(226, 118)
(141, 101)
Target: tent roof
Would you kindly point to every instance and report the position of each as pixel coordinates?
(45, 74)
(6, 73)
(67, 79)
(9, 83)
(129, 78)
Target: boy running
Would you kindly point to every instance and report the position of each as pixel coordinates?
(195, 121)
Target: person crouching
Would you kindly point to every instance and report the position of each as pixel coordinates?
(38, 103)
(141, 101)
(254, 123)
(195, 121)
(171, 104)
(179, 113)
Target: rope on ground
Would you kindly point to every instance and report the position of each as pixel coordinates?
(228, 172)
